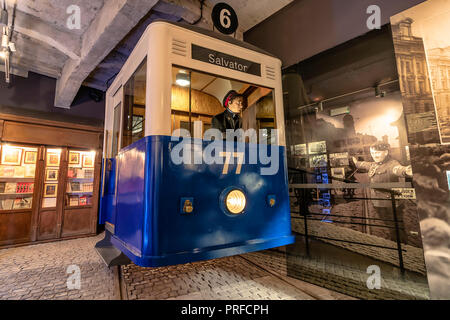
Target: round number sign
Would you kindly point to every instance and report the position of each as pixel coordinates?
(224, 18)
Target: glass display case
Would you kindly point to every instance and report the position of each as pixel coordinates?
(17, 173)
(52, 163)
(80, 178)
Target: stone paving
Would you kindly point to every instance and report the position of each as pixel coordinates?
(413, 257)
(40, 272)
(332, 271)
(230, 278)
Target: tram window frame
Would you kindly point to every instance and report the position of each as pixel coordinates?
(201, 116)
(129, 106)
(116, 132)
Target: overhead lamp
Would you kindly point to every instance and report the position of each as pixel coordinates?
(183, 79)
(3, 18)
(5, 40)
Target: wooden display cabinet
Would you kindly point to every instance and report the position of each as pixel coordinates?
(48, 191)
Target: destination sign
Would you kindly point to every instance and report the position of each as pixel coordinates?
(226, 61)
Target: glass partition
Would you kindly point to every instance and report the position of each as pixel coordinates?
(197, 97)
(17, 171)
(134, 106)
(80, 178)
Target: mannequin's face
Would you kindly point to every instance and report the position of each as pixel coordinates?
(237, 105)
(378, 156)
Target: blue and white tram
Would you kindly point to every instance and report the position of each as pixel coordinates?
(160, 206)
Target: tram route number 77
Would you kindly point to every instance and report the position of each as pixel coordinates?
(228, 155)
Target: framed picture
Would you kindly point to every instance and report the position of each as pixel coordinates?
(74, 158)
(88, 161)
(50, 190)
(53, 159)
(48, 202)
(30, 157)
(12, 156)
(51, 175)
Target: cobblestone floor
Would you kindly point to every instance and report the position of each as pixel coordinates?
(40, 272)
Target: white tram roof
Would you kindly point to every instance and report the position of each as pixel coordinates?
(218, 36)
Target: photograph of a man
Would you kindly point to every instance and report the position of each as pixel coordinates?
(384, 169)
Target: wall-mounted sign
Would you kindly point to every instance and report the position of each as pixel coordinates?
(225, 60)
(224, 18)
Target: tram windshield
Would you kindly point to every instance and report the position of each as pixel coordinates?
(198, 97)
(134, 106)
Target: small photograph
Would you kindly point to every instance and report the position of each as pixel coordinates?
(11, 156)
(22, 203)
(30, 171)
(318, 161)
(7, 172)
(73, 201)
(19, 172)
(50, 190)
(74, 158)
(30, 157)
(10, 187)
(51, 175)
(339, 159)
(317, 147)
(48, 202)
(338, 173)
(53, 159)
(300, 150)
(88, 161)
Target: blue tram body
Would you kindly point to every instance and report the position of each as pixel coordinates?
(158, 211)
(150, 226)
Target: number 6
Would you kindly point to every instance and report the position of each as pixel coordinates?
(225, 20)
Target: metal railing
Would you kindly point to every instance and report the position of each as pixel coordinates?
(302, 192)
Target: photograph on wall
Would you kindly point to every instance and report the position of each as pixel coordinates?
(339, 159)
(50, 190)
(11, 156)
(338, 173)
(319, 147)
(422, 47)
(318, 161)
(51, 175)
(30, 157)
(423, 58)
(300, 150)
(88, 161)
(53, 159)
(48, 202)
(74, 158)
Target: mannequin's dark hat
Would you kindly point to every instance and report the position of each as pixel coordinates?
(230, 96)
(381, 146)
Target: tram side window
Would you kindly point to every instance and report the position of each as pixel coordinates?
(197, 97)
(134, 106)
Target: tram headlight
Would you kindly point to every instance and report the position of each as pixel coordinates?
(235, 201)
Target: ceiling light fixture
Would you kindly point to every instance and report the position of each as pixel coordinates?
(3, 18)
(183, 79)
(6, 47)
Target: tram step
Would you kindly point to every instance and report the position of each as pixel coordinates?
(110, 255)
